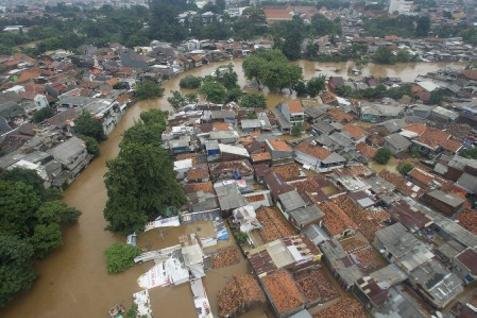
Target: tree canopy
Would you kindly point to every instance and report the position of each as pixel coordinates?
(120, 257)
(272, 69)
(140, 181)
(30, 228)
(382, 156)
(213, 91)
(148, 89)
(253, 100)
(87, 125)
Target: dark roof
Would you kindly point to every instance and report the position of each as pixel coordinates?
(469, 258)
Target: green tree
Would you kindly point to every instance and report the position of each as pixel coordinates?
(18, 204)
(190, 82)
(300, 88)
(42, 114)
(321, 25)
(296, 130)
(213, 91)
(26, 176)
(148, 89)
(289, 36)
(233, 94)
(405, 167)
(241, 237)
(383, 55)
(177, 100)
(423, 26)
(164, 25)
(272, 69)
(92, 145)
(87, 125)
(227, 76)
(316, 85)
(16, 270)
(470, 153)
(46, 237)
(120, 257)
(253, 100)
(141, 182)
(56, 212)
(382, 156)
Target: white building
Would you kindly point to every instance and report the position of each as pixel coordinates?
(401, 6)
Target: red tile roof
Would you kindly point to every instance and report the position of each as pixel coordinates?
(354, 131)
(315, 151)
(279, 145)
(366, 150)
(294, 106)
(336, 220)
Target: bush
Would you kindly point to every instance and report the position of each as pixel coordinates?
(92, 145)
(190, 82)
(296, 130)
(382, 156)
(405, 167)
(87, 125)
(148, 89)
(253, 100)
(120, 257)
(241, 237)
(470, 153)
(43, 114)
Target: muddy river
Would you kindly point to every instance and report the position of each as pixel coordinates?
(73, 282)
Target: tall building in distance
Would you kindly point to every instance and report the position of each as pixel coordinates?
(401, 6)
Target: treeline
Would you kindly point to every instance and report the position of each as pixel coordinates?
(140, 181)
(31, 223)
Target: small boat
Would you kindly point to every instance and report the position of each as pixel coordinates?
(117, 311)
(318, 69)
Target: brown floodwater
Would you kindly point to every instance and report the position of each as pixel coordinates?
(73, 281)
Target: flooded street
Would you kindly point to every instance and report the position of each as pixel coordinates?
(73, 281)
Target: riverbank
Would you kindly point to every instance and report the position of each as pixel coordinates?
(73, 282)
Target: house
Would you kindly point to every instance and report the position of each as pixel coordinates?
(413, 219)
(181, 167)
(443, 116)
(397, 144)
(280, 151)
(336, 222)
(318, 158)
(430, 141)
(342, 265)
(374, 112)
(291, 252)
(466, 265)
(402, 248)
(321, 127)
(249, 125)
(229, 152)
(276, 184)
(305, 216)
(289, 201)
(356, 133)
(292, 113)
(436, 283)
(212, 150)
(180, 145)
(229, 197)
(235, 169)
(73, 156)
(446, 203)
